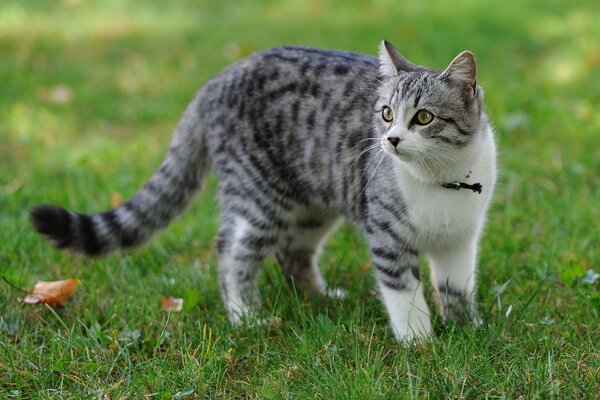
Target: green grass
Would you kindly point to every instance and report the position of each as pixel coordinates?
(130, 67)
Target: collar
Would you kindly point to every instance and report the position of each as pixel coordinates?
(456, 185)
(475, 187)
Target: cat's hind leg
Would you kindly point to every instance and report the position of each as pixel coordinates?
(245, 240)
(299, 248)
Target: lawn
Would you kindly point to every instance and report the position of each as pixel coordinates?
(90, 92)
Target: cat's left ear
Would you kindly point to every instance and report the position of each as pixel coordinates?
(462, 71)
(391, 62)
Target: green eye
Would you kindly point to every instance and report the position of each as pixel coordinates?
(423, 117)
(387, 114)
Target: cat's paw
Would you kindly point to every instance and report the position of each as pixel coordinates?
(243, 314)
(476, 321)
(411, 338)
(335, 293)
(462, 316)
(417, 330)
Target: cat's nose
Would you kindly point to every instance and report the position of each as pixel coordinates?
(394, 141)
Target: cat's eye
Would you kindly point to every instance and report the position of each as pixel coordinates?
(423, 117)
(387, 114)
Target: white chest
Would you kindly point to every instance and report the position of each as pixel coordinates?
(442, 216)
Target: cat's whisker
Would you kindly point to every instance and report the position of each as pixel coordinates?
(436, 150)
(372, 175)
(364, 140)
(421, 161)
(434, 164)
(442, 158)
(371, 147)
(369, 163)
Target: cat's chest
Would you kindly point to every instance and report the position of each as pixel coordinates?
(441, 215)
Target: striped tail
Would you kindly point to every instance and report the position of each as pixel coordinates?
(161, 199)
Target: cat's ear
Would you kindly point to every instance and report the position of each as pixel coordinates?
(462, 71)
(391, 62)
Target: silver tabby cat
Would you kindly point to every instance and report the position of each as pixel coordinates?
(300, 137)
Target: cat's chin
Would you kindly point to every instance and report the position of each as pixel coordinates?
(426, 174)
(405, 160)
(398, 154)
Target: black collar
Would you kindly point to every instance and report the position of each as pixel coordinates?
(475, 187)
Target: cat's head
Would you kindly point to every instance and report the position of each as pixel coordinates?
(430, 120)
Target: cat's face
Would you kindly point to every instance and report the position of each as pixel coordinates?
(429, 120)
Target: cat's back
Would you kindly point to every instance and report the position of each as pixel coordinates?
(309, 75)
(300, 62)
(294, 112)
(317, 63)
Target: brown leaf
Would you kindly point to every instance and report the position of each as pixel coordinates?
(171, 303)
(116, 199)
(52, 293)
(367, 265)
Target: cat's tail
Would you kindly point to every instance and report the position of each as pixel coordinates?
(162, 198)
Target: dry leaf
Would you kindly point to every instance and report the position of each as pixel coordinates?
(52, 293)
(116, 199)
(171, 303)
(367, 265)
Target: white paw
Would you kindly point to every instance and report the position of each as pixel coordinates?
(335, 293)
(418, 329)
(409, 313)
(240, 313)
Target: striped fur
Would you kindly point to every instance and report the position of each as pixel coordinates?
(297, 139)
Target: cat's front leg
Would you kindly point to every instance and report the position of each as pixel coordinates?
(399, 278)
(454, 274)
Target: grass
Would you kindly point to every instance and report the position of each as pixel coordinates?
(90, 92)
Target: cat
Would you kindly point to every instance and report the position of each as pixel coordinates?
(302, 137)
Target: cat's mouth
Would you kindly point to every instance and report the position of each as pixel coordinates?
(395, 150)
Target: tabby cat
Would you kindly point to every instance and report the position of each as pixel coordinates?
(300, 137)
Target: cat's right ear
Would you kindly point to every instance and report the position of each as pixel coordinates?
(391, 62)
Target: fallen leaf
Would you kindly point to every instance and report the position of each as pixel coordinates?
(52, 293)
(367, 265)
(171, 303)
(116, 199)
